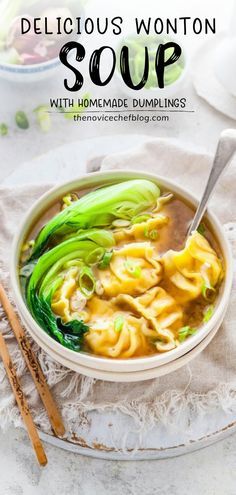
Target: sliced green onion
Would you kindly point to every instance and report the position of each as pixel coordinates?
(133, 269)
(21, 120)
(208, 313)
(141, 218)
(184, 332)
(119, 323)
(153, 234)
(95, 256)
(87, 281)
(119, 222)
(105, 260)
(201, 229)
(206, 289)
(43, 118)
(71, 263)
(3, 129)
(69, 199)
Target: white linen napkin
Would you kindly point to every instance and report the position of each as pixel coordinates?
(177, 400)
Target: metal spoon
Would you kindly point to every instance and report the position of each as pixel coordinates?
(224, 154)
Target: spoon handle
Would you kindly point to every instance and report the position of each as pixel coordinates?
(224, 153)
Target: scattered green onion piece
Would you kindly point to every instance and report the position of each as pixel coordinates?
(133, 269)
(71, 263)
(206, 288)
(184, 332)
(150, 234)
(153, 235)
(201, 229)
(21, 120)
(119, 222)
(76, 109)
(119, 323)
(95, 256)
(43, 118)
(208, 313)
(141, 218)
(87, 281)
(67, 200)
(3, 129)
(105, 260)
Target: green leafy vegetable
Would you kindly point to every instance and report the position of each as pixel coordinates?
(44, 276)
(184, 332)
(21, 120)
(99, 209)
(3, 129)
(208, 313)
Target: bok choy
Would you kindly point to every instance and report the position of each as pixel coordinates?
(45, 276)
(99, 209)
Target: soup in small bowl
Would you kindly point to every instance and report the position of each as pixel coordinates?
(104, 275)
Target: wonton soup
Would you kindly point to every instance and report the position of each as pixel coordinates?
(106, 271)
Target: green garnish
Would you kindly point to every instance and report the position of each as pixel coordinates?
(119, 323)
(184, 332)
(95, 256)
(87, 281)
(133, 269)
(3, 129)
(206, 288)
(140, 218)
(150, 234)
(201, 229)
(153, 234)
(21, 120)
(119, 223)
(43, 118)
(105, 260)
(208, 313)
(77, 109)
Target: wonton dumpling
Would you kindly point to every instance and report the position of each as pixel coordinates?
(186, 271)
(68, 302)
(161, 312)
(140, 231)
(105, 340)
(133, 270)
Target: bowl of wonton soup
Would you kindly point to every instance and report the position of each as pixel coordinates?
(123, 294)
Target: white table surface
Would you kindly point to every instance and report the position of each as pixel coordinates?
(210, 471)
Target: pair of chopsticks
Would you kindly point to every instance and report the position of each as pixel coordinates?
(38, 377)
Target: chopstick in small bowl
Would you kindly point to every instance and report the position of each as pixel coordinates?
(33, 365)
(22, 403)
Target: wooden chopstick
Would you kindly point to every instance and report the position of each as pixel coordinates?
(22, 403)
(33, 365)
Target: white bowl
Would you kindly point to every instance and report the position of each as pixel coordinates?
(29, 73)
(74, 359)
(155, 92)
(129, 376)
